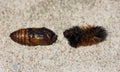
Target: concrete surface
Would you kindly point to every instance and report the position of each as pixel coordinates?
(59, 15)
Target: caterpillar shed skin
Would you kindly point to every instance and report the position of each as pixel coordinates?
(34, 36)
(84, 36)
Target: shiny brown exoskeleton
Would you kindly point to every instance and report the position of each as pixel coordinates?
(34, 36)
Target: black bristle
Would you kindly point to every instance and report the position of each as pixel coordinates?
(84, 36)
(100, 32)
(73, 35)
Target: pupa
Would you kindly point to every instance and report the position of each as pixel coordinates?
(34, 36)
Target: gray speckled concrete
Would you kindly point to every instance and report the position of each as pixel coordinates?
(59, 15)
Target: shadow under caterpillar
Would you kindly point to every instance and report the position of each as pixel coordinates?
(84, 36)
(34, 36)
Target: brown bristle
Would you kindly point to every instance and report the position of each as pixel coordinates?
(84, 36)
(34, 36)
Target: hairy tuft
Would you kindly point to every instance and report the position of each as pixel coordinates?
(73, 35)
(84, 36)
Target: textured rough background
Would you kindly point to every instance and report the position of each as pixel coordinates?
(59, 15)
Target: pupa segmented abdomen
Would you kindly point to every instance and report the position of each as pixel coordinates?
(34, 36)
